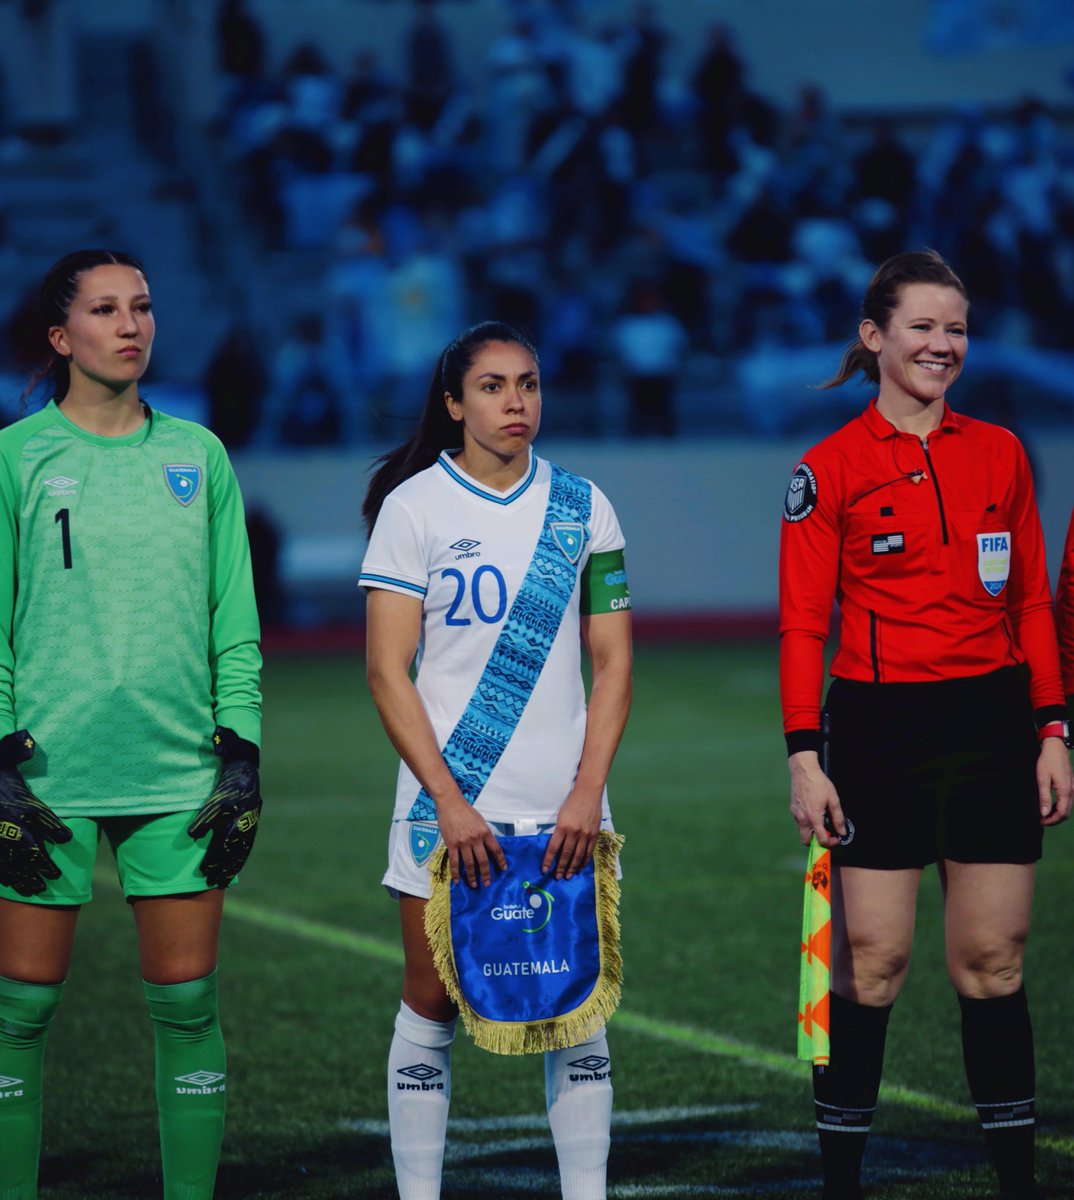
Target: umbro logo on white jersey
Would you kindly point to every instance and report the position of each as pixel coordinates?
(62, 485)
(467, 548)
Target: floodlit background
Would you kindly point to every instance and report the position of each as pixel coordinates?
(681, 201)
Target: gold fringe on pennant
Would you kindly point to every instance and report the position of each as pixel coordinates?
(557, 1033)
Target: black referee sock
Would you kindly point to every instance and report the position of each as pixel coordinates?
(845, 1092)
(997, 1047)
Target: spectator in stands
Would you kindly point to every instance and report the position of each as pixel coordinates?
(236, 383)
(643, 72)
(719, 85)
(304, 407)
(650, 345)
(886, 169)
(240, 42)
(430, 65)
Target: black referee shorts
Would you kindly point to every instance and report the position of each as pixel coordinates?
(927, 771)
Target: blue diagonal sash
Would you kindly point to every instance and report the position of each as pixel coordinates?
(492, 715)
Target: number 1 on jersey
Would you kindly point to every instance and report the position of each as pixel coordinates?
(64, 518)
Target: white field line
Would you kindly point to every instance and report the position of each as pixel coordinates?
(696, 1040)
(539, 1121)
(701, 1041)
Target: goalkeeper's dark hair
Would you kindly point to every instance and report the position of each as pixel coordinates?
(58, 291)
(882, 298)
(436, 430)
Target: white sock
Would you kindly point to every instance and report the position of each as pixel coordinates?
(578, 1089)
(419, 1092)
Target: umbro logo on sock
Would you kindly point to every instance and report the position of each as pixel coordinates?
(202, 1083)
(593, 1064)
(422, 1074)
(10, 1087)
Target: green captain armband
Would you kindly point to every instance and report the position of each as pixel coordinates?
(604, 584)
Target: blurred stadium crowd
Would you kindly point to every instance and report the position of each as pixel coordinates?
(675, 237)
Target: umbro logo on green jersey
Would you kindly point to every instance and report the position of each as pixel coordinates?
(61, 485)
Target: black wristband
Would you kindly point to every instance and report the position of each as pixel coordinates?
(803, 739)
(232, 748)
(15, 748)
(1048, 713)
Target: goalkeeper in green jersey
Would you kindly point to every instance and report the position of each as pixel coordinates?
(130, 707)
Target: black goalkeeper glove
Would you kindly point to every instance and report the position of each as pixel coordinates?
(232, 811)
(25, 823)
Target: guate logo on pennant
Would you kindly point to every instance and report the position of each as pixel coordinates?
(569, 536)
(184, 482)
(994, 560)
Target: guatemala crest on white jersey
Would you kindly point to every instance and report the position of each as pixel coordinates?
(570, 537)
(994, 560)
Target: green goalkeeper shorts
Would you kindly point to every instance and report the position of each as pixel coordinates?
(154, 855)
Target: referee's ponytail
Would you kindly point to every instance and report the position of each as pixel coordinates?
(882, 298)
(436, 430)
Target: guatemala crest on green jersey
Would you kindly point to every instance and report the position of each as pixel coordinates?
(184, 482)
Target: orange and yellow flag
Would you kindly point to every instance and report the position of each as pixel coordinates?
(816, 957)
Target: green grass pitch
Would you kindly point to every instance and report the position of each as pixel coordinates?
(709, 1100)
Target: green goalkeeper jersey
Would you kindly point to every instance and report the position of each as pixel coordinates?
(127, 609)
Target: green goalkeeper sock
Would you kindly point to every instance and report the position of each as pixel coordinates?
(26, 1010)
(191, 1081)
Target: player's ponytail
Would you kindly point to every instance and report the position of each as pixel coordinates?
(882, 298)
(58, 291)
(436, 430)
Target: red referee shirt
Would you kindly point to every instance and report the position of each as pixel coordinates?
(932, 549)
(1064, 611)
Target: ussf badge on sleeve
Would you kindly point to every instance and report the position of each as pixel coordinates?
(533, 962)
(801, 494)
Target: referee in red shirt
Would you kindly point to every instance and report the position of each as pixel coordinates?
(942, 735)
(1064, 612)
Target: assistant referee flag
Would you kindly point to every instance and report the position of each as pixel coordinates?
(816, 957)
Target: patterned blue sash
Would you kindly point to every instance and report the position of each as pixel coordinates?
(479, 739)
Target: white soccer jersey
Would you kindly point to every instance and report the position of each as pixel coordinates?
(465, 549)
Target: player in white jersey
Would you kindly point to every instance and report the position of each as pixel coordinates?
(455, 514)
(129, 632)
